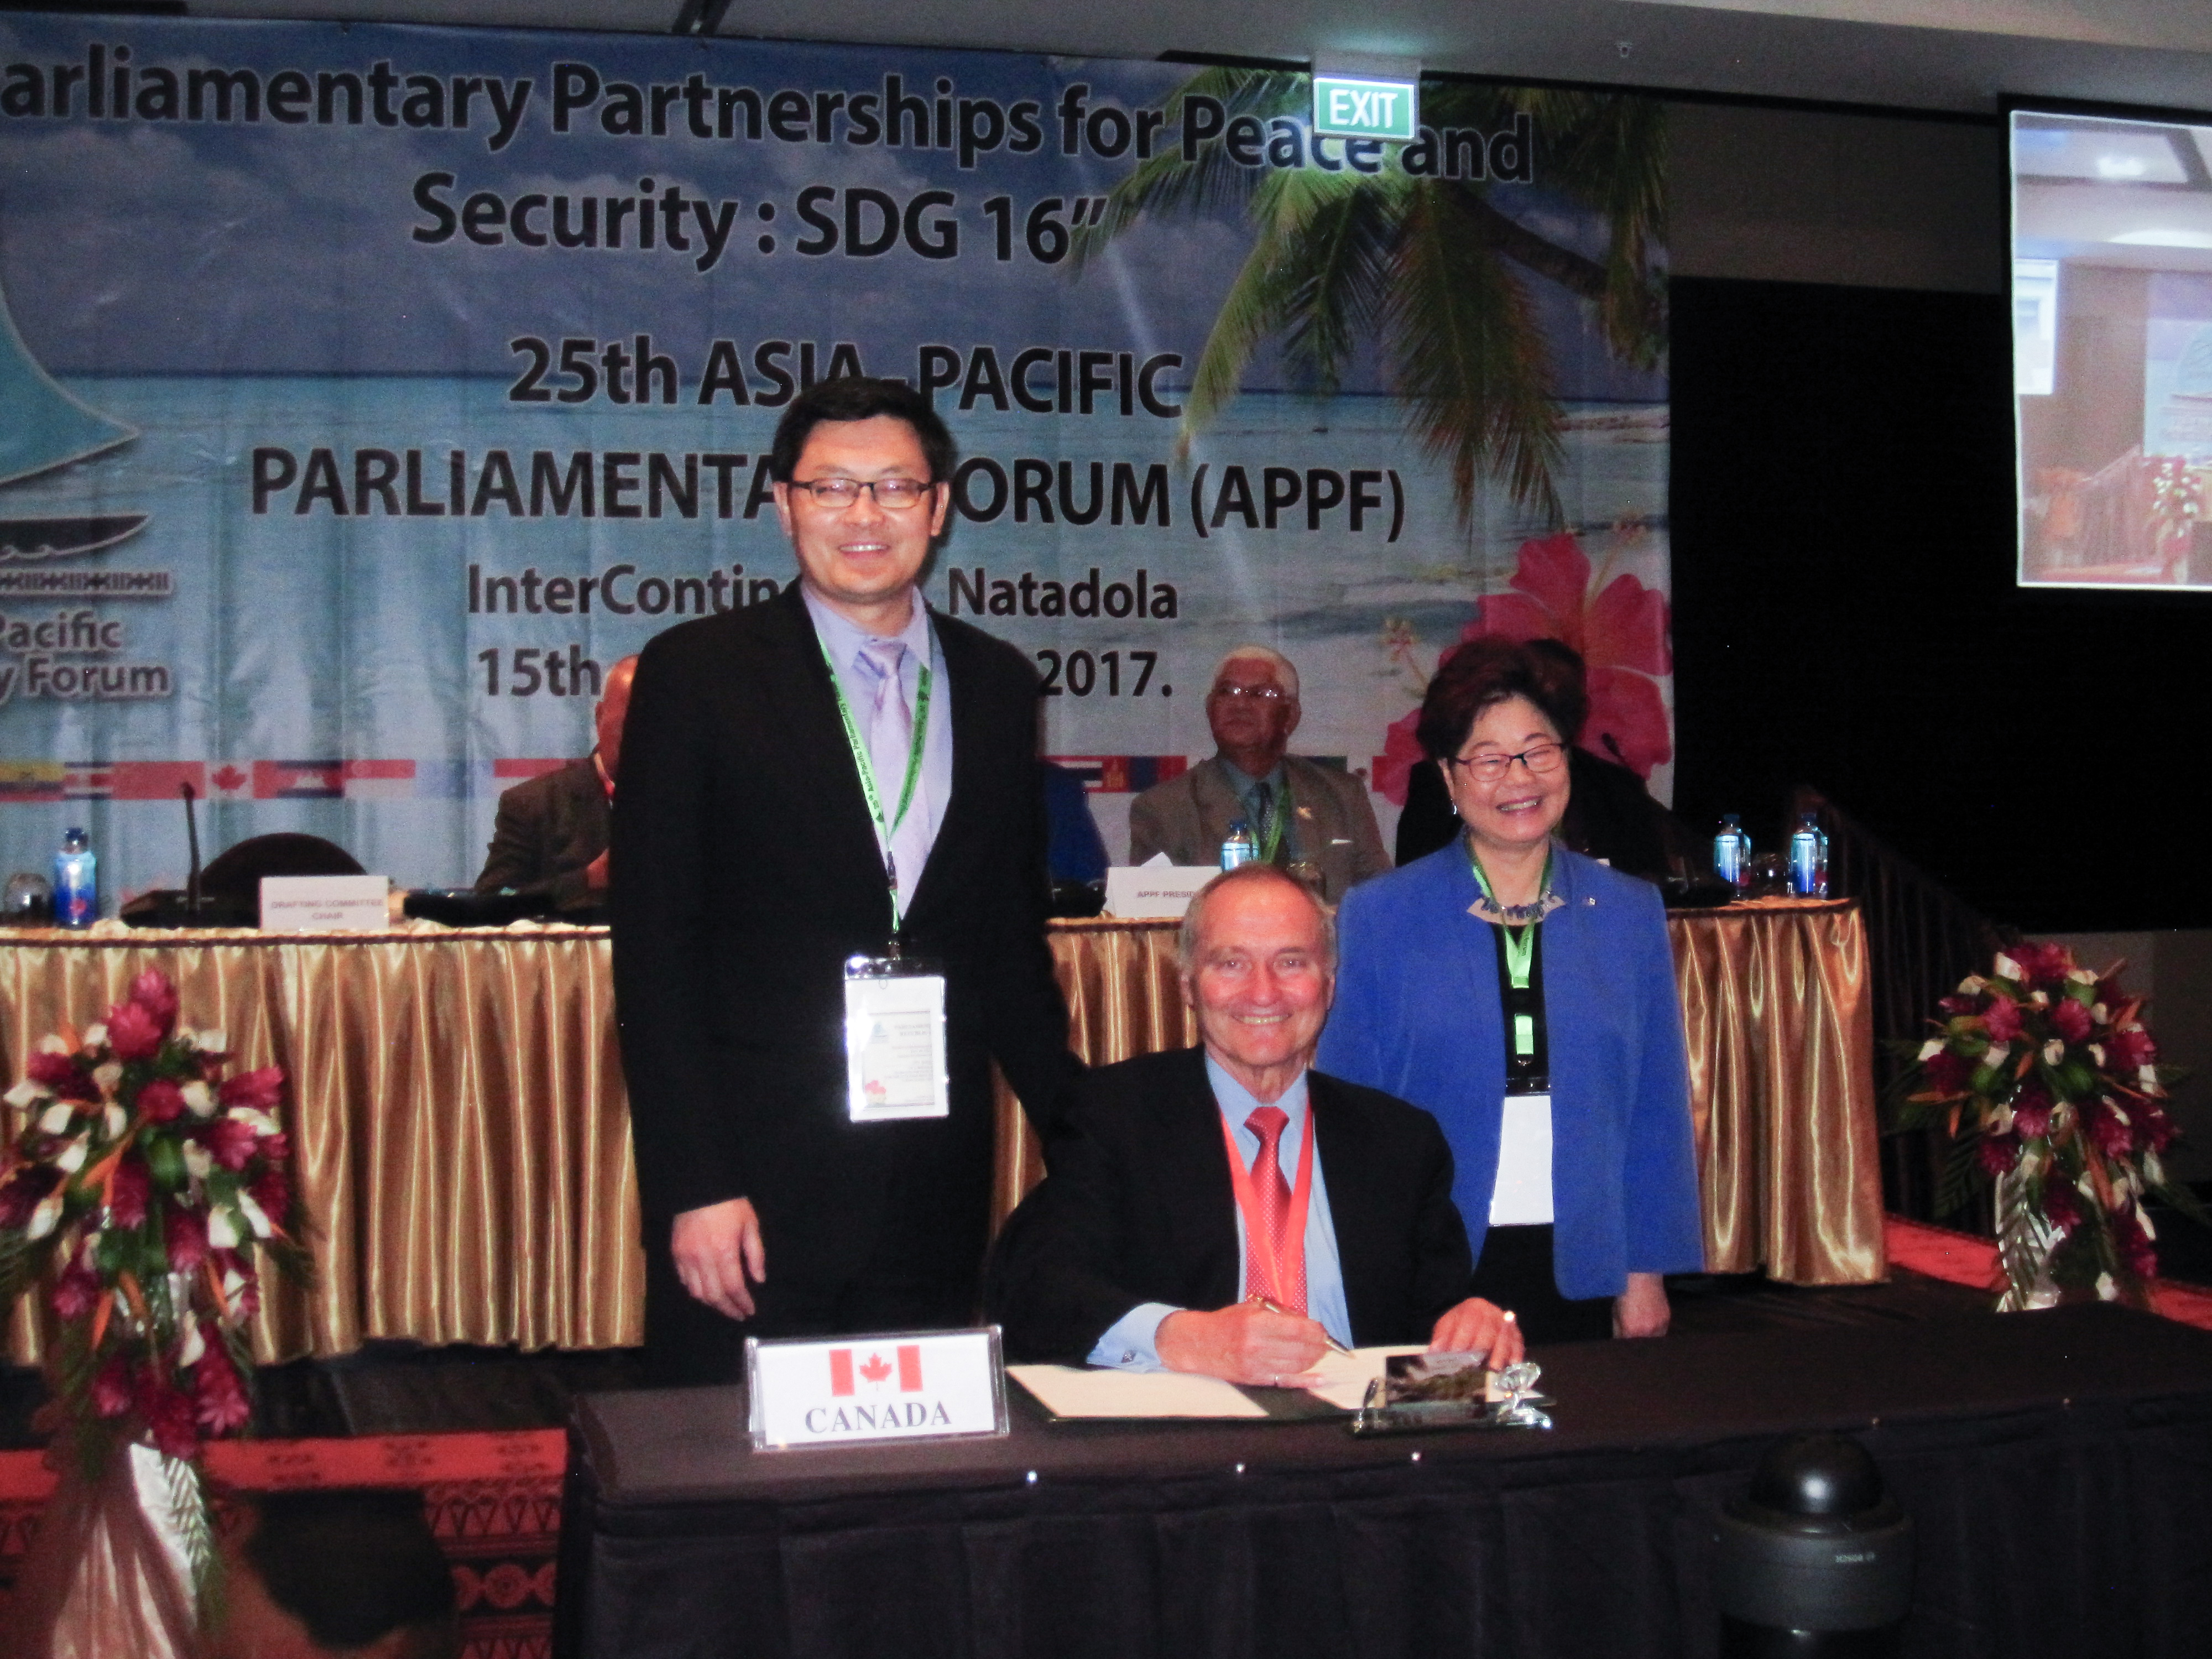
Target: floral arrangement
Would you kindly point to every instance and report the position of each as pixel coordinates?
(2177, 494)
(144, 1181)
(2048, 1086)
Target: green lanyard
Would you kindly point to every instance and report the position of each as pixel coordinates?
(1520, 952)
(864, 764)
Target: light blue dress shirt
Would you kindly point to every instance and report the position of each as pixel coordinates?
(1131, 1342)
(843, 640)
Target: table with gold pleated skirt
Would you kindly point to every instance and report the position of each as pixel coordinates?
(461, 1138)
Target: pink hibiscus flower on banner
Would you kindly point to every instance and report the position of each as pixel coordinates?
(1621, 631)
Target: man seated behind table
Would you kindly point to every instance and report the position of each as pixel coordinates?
(551, 833)
(1146, 1248)
(1313, 819)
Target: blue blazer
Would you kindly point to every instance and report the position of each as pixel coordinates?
(1418, 1015)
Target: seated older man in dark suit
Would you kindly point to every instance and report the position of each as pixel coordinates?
(1226, 1210)
(551, 833)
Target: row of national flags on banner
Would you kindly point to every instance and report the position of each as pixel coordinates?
(398, 779)
(265, 779)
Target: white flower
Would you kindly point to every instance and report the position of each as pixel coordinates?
(199, 1099)
(222, 1228)
(1932, 1047)
(114, 1120)
(2038, 999)
(2085, 1187)
(2153, 1169)
(72, 1157)
(212, 1041)
(2099, 1012)
(2097, 1054)
(198, 1160)
(108, 1076)
(2143, 1220)
(95, 1036)
(2113, 1106)
(234, 1287)
(55, 1120)
(2147, 1080)
(2082, 976)
(43, 1218)
(2006, 968)
(1972, 986)
(191, 1351)
(1996, 1055)
(255, 1217)
(54, 1045)
(2106, 1291)
(254, 1119)
(2001, 1121)
(2053, 1052)
(25, 1094)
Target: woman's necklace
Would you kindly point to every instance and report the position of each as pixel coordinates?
(1513, 915)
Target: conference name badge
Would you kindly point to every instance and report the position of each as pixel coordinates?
(893, 1041)
(924, 1385)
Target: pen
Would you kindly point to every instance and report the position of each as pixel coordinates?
(1271, 1305)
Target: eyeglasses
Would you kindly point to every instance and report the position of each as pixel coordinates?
(1542, 759)
(894, 494)
(1259, 693)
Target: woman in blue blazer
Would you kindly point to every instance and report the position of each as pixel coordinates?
(1525, 995)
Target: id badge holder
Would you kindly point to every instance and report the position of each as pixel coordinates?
(894, 1040)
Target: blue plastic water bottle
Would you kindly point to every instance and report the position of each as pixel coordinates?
(1239, 848)
(1809, 858)
(1732, 852)
(76, 882)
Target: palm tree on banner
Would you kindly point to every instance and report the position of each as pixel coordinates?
(1430, 266)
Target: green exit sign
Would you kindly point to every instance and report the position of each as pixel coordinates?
(1347, 106)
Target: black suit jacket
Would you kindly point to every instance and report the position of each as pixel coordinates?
(548, 829)
(746, 871)
(1137, 1207)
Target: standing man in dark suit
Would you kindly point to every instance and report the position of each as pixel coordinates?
(804, 781)
(551, 833)
(1227, 1210)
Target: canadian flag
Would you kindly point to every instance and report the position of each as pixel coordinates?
(874, 1369)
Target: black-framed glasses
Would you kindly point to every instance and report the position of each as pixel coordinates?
(1257, 693)
(1540, 759)
(894, 494)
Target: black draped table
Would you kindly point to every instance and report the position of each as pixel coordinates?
(2058, 1465)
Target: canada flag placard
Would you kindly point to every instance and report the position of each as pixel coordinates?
(912, 1386)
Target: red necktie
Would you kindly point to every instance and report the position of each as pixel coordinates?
(1273, 1194)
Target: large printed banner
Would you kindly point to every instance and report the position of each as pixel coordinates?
(365, 392)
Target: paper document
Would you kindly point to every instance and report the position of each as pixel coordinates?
(1343, 1377)
(1077, 1391)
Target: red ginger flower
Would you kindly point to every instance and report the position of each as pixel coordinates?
(2001, 1020)
(132, 1032)
(221, 1398)
(21, 1191)
(160, 1102)
(111, 1392)
(1945, 1073)
(2070, 1019)
(229, 1142)
(128, 1190)
(1998, 1153)
(2042, 967)
(169, 1414)
(152, 992)
(2031, 1111)
(262, 1090)
(2127, 1050)
(2058, 1204)
(187, 1238)
(272, 1191)
(76, 1291)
